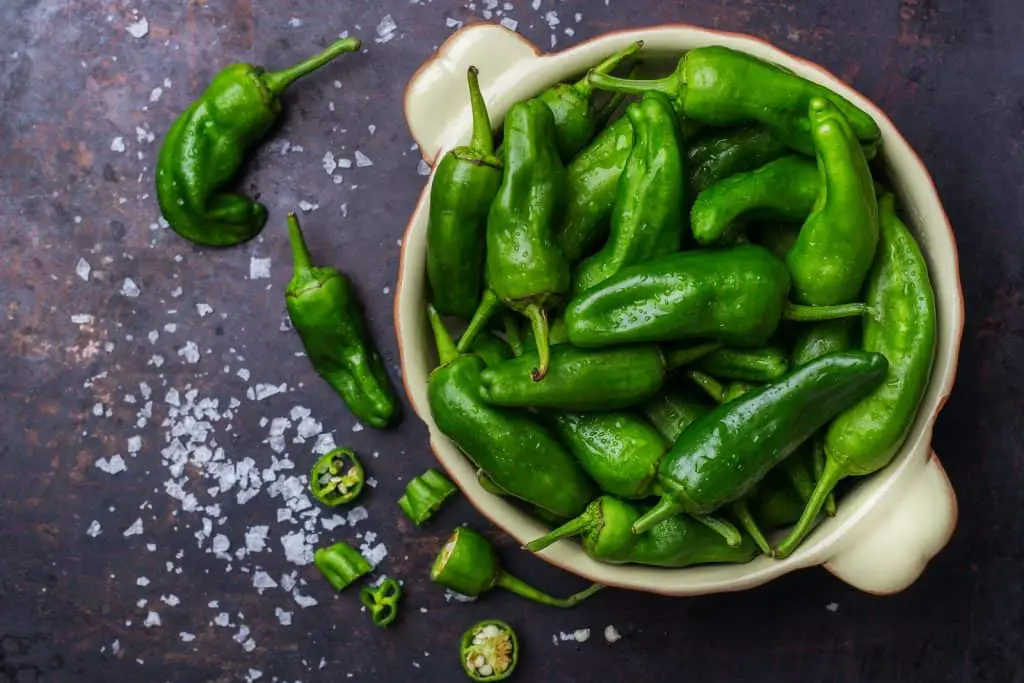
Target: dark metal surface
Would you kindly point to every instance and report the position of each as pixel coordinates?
(73, 79)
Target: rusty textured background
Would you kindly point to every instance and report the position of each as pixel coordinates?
(72, 79)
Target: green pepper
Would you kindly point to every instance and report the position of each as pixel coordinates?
(647, 219)
(337, 478)
(735, 295)
(519, 454)
(341, 564)
(489, 651)
(866, 437)
(382, 601)
(836, 245)
(777, 504)
(491, 349)
(324, 310)
(465, 183)
(206, 146)
(816, 340)
(722, 456)
(784, 189)
(580, 379)
(778, 238)
(467, 564)
(753, 365)
(607, 536)
(720, 154)
(674, 410)
(724, 87)
(424, 496)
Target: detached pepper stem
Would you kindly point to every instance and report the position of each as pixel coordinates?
(446, 350)
(278, 81)
(539, 322)
(482, 141)
(832, 475)
(585, 88)
(525, 590)
(301, 259)
(669, 85)
(799, 313)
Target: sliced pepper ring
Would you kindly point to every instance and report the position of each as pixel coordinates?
(489, 651)
(337, 478)
(382, 601)
(424, 496)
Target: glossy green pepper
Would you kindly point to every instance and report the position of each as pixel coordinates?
(324, 310)
(818, 339)
(866, 438)
(720, 154)
(836, 245)
(647, 219)
(673, 411)
(341, 564)
(606, 535)
(491, 349)
(777, 504)
(765, 364)
(735, 295)
(425, 495)
(382, 601)
(724, 87)
(465, 184)
(519, 454)
(784, 189)
(206, 146)
(468, 565)
(722, 456)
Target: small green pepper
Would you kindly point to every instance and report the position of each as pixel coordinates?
(777, 504)
(324, 310)
(722, 456)
(465, 183)
(836, 245)
(752, 365)
(424, 496)
(337, 478)
(489, 651)
(341, 564)
(607, 536)
(818, 339)
(647, 219)
(206, 146)
(673, 410)
(467, 564)
(722, 153)
(491, 349)
(723, 87)
(866, 437)
(382, 601)
(784, 189)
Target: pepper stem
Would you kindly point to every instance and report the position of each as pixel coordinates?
(539, 322)
(667, 507)
(677, 358)
(574, 527)
(482, 141)
(669, 85)
(832, 475)
(723, 528)
(585, 88)
(300, 253)
(512, 336)
(278, 81)
(805, 314)
(711, 386)
(446, 350)
(818, 464)
(525, 590)
(489, 305)
(741, 510)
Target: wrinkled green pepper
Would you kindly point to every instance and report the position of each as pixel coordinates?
(719, 154)
(206, 146)
(765, 364)
(341, 564)
(382, 601)
(324, 310)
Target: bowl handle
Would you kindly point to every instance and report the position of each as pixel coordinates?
(911, 529)
(440, 84)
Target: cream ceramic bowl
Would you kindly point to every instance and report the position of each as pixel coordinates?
(892, 523)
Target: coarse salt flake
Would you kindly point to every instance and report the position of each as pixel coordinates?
(114, 465)
(611, 634)
(94, 530)
(129, 288)
(138, 29)
(259, 268)
(82, 269)
(117, 144)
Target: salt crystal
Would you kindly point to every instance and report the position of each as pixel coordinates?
(357, 427)
(297, 549)
(357, 514)
(155, 94)
(153, 336)
(303, 601)
(333, 522)
(330, 165)
(249, 645)
(134, 444)
(222, 619)
(362, 160)
(262, 581)
(285, 618)
(112, 466)
(82, 319)
(82, 269)
(611, 634)
(221, 543)
(204, 310)
(385, 29)
(450, 595)
(171, 600)
(256, 538)
(138, 29)
(186, 637)
(307, 207)
(243, 373)
(423, 168)
(142, 581)
(129, 288)
(455, 23)
(253, 675)
(295, 22)
(117, 144)
(509, 23)
(832, 607)
(94, 529)
(581, 635)
(344, 163)
(152, 619)
(259, 268)
(170, 328)
(263, 391)
(190, 352)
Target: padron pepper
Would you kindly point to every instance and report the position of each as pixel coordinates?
(673, 411)
(723, 455)
(836, 245)
(723, 87)
(778, 238)
(866, 437)
(382, 601)
(324, 310)
(425, 495)
(765, 364)
(719, 154)
(606, 535)
(519, 454)
(784, 189)
(465, 183)
(206, 146)
(817, 339)
(337, 477)
(489, 651)
(341, 564)
(468, 565)
(647, 219)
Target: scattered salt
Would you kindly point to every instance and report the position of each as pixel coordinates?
(307, 207)
(385, 29)
(152, 619)
(82, 319)
(330, 165)
(362, 160)
(190, 352)
(114, 465)
(129, 288)
(204, 310)
(285, 618)
(832, 607)
(259, 268)
(186, 637)
(82, 269)
(138, 29)
(117, 144)
(94, 529)
(262, 581)
(423, 168)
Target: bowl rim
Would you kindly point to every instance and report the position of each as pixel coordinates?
(948, 379)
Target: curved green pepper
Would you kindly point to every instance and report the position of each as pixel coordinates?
(818, 339)
(720, 154)
(324, 310)
(467, 564)
(491, 349)
(735, 295)
(341, 564)
(724, 87)
(382, 601)
(424, 496)
(765, 364)
(465, 183)
(784, 189)
(647, 219)
(836, 245)
(865, 438)
(721, 457)
(521, 456)
(674, 410)
(337, 478)
(206, 146)
(607, 536)
(489, 651)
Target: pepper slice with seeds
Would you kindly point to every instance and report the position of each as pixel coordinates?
(337, 478)
(489, 651)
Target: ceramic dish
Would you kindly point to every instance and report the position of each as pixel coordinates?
(890, 524)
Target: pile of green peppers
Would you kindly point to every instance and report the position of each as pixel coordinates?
(724, 315)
